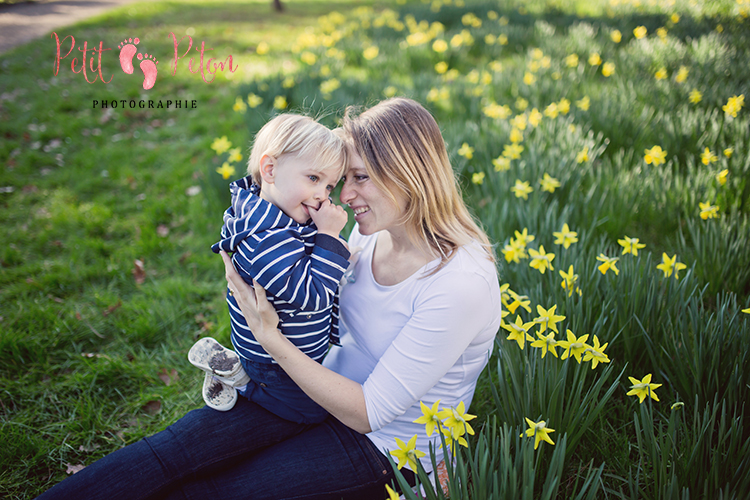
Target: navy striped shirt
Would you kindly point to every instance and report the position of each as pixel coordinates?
(299, 268)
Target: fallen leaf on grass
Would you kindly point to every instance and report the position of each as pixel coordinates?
(152, 407)
(72, 469)
(168, 376)
(139, 272)
(112, 308)
(162, 230)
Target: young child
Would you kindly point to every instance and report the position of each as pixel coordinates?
(282, 231)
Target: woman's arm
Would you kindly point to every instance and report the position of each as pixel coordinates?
(341, 397)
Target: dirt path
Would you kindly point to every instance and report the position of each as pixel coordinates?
(23, 22)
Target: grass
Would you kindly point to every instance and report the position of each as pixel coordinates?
(107, 216)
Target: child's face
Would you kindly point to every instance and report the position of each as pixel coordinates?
(292, 184)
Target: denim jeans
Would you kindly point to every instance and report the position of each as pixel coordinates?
(275, 391)
(247, 452)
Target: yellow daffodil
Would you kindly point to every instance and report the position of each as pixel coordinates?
(279, 102)
(234, 155)
(407, 453)
(608, 263)
(643, 388)
(514, 253)
(540, 260)
(563, 106)
(466, 151)
(608, 69)
(682, 74)
(695, 96)
(519, 331)
(708, 211)
(547, 318)
(529, 78)
(501, 163)
(226, 170)
(669, 266)
(221, 144)
(254, 101)
(429, 417)
(630, 245)
(516, 136)
(734, 105)
(746, 311)
(477, 178)
(551, 111)
(522, 189)
(721, 177)
(441, 67)
(535, 117)
(497, 111)
(239, 105)
(655, 155)
(572, 60)
(518, 301)
(458, 419)
(565, 237)
(570, 281)
(661, 74)
(308, 58)
(595, 353)
(708, 157)
(595, 59)
(583, 155)
(521, 105)
(675, 18)
(288, 82)
(502, 39)
(584, 103)
(546, 343)
(392, 495)
(539, 431)
(262, 48)
(728, 152)
(523, 237)
(573, 346)
(549, 183)
(370, 53)
(616, 36)
(640, 32)
(661, 33)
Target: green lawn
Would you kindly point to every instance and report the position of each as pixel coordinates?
(108, 215)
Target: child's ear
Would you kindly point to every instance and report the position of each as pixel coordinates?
(267, 169)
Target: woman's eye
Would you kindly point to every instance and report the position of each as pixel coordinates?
(360, 178)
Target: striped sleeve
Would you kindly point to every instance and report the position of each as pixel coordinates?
(279, 263)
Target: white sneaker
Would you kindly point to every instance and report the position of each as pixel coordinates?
(217, 394)
(215, 359)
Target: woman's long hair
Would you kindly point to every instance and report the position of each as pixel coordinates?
(404, 153)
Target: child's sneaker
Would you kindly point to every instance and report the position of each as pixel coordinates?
(223, 370)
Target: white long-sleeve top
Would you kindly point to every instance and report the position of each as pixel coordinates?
(424, 339)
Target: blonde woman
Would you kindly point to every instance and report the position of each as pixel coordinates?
(419, 313)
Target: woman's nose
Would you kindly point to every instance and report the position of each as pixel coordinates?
(347, 193)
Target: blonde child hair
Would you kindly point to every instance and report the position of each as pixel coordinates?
(299, 135)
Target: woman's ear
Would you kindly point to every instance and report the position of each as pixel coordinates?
(267, 169)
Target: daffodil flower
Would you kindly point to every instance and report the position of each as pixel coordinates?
(226, 170)
(392, 495)
(539, 431)
(547, 318)
(708, 157)
(734, 105)
(584, 103)
(466, 151)
(708, 211)
(615, 36)
(570, 281)
(565, 237)
(512, 151)
(607, 263)
(583, 155)
(630, 245)
(429, 417)
(519, 331)
(501, 163)
(669, 266)
(254, 101)
(551, 111)
(643, 388)
(457, 420)
(695, 96)
(549, 183)
(524, 238)
(520, 121)
(746, 311)
(522, 189)
(574, 346)
(234, 155)
(239, 105)
(221, 144)
(655, 155)
(728, 152)
(514, 253)
(640, 32)
(407, 453)
(721, 177)
(477, 178)
(518, 300)
(608, 69)
(546, 343)
(540, 260)
(595, 353)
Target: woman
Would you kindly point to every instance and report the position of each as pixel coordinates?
(419, 314)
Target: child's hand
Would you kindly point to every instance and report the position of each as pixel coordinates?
(329, 218)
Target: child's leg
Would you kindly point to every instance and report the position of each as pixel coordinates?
(204, 440)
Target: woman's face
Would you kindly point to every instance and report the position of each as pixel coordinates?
(373, 209)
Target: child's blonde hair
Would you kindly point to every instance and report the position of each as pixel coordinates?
(298, 135)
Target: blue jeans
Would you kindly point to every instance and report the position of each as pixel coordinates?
(247, 452)
(275, 391)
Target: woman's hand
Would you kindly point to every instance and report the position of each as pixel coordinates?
(260, 315)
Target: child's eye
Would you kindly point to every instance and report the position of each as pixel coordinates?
(313, 178)
(329, 187)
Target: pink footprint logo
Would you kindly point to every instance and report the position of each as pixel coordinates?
(148, 64)
(127, 51)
